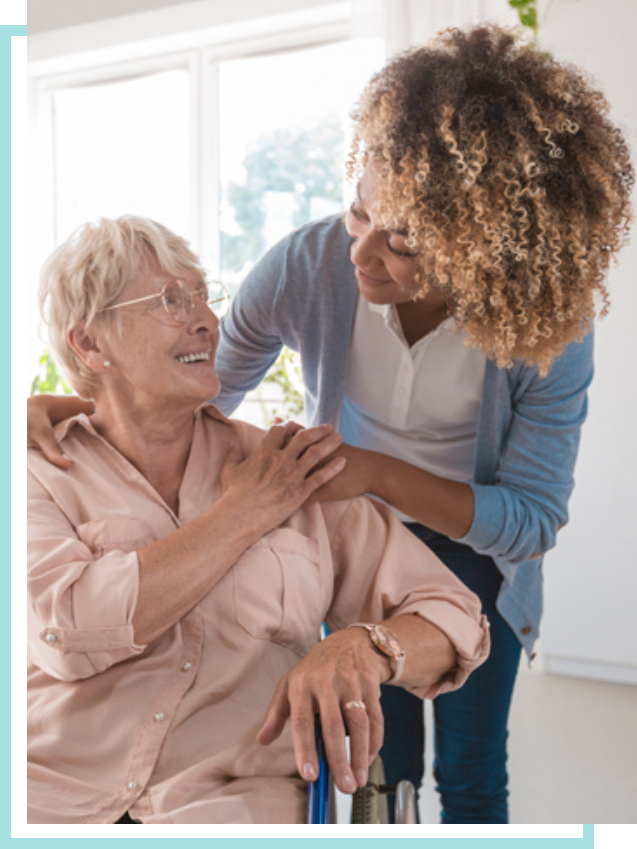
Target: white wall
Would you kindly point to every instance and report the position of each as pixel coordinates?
(72, 37)
(45, 15)
(590, 625)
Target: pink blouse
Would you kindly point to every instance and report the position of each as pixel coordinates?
(166, 730)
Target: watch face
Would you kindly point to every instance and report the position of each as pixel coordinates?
(387, 642)
(394, 645)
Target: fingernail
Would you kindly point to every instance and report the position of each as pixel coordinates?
(347, 783)
(361, 778)
(371, 759)
(309, 772)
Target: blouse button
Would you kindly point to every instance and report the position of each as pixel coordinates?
(526, 630)
(132, 785)
(51, 638)
(159, 717)
(187, 665)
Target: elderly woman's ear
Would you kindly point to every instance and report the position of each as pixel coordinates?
(87, 347)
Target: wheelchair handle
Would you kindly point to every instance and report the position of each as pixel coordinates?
(318, 795)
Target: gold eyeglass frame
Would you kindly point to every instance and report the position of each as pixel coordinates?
(162, 294)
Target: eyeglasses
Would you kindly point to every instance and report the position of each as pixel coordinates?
(179, 301)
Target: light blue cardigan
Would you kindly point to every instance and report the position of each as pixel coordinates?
(303, 294)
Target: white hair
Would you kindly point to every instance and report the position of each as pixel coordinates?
(91, 269)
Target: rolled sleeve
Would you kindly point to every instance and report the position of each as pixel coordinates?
(384, 570)
(81, 603)
(472, 647)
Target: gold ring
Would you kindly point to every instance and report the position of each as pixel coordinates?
(354, 704)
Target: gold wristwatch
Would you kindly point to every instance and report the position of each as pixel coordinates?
(388, 644)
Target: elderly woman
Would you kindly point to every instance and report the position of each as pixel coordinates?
(175, 576)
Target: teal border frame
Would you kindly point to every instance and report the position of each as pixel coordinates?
(360, 842)
(5, 344)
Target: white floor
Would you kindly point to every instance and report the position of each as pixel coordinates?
(572, 752)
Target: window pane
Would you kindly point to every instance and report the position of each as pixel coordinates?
(283, 139)
(283, 127)
(122, 147)
(118, 147)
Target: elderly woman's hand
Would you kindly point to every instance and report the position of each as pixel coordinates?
(286, 468)
(341, 669)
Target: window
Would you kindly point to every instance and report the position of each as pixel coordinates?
(231, 148)
(122, 146)
(282, 139)
(108, 142)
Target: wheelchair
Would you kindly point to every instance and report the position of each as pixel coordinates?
(369, 803)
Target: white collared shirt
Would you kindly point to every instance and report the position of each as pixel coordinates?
(418, 403)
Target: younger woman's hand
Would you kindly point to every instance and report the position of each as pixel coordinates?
(289, 464)
(356, 479)
(40, 432)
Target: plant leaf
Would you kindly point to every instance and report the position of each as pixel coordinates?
(528, 18)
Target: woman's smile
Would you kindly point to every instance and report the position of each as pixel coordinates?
(194, 358)
(372, 282)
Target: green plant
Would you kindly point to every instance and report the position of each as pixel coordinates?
(527, 13)
(49, 378)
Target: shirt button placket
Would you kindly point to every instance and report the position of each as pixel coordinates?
(405, 378)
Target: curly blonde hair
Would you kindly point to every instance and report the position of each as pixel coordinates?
(512, 184)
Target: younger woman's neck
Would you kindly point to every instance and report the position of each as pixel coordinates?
(418, 318)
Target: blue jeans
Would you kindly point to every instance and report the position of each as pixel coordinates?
(470, 724)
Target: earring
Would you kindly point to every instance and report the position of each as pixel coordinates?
(106, 363)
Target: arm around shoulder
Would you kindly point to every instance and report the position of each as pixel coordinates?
(43, 413)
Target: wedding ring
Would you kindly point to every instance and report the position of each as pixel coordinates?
(354, 704)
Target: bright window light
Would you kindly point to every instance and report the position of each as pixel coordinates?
(283, 131)
(283, 136)
(117, 147)
(122, 147)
